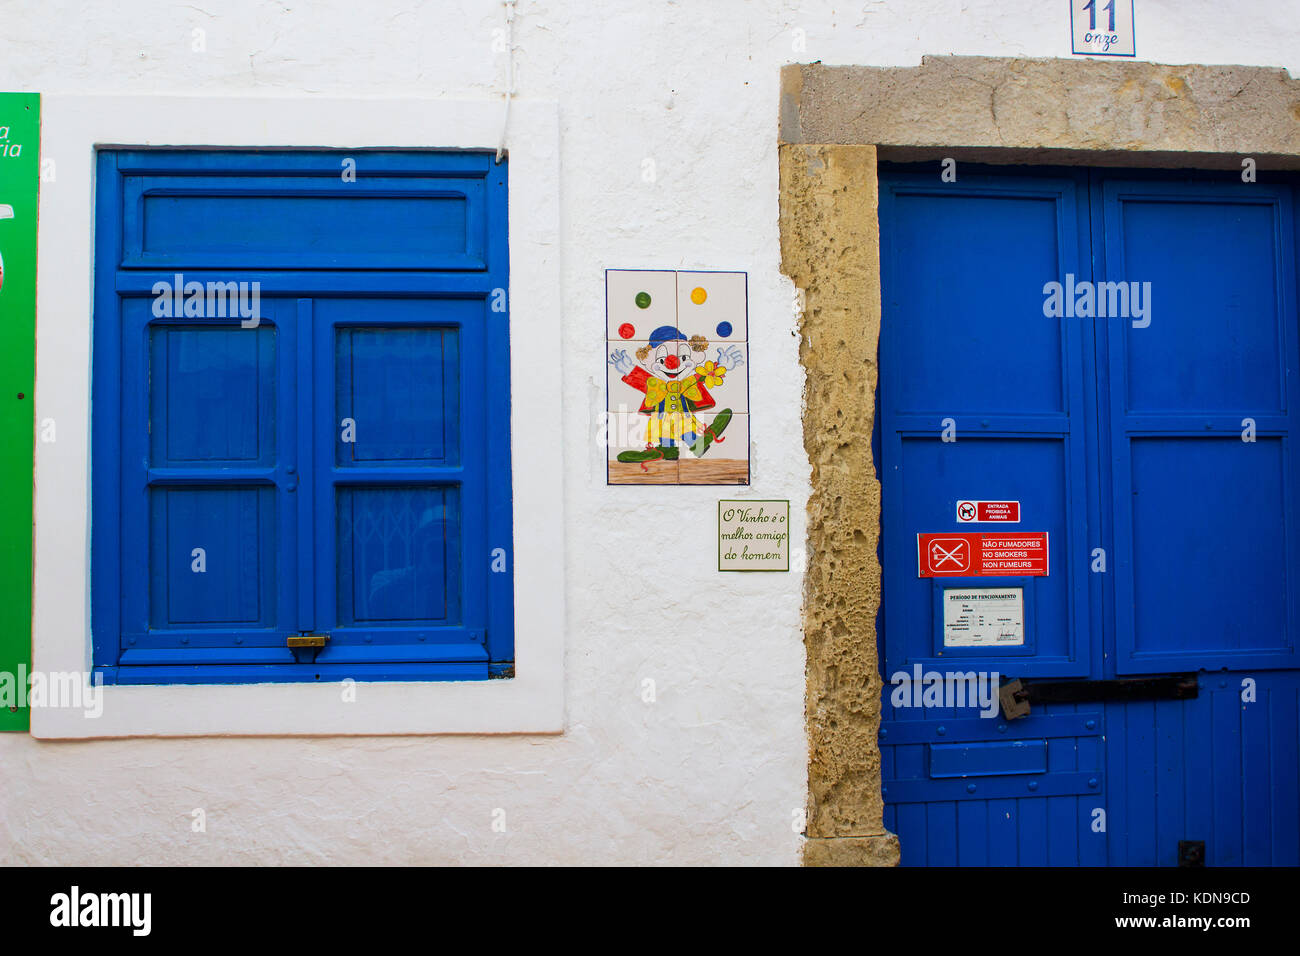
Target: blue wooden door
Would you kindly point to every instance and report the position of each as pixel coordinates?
(321, 489)
(1151, 448)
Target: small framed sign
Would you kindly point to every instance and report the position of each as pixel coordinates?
(1102, 27)
(753, 535)
(983, 617)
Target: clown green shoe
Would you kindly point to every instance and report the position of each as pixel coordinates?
(650, 454)
(712, 433)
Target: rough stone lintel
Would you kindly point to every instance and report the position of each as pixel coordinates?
(1050, 111)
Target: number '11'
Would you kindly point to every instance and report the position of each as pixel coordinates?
(1091, 7)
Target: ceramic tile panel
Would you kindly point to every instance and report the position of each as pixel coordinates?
(638, 301)
(677, 377)
(726, 461)
(713, 304)
(625, 432)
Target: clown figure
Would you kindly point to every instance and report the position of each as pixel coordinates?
(675, 380)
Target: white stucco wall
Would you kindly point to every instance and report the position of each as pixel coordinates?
(713, 770)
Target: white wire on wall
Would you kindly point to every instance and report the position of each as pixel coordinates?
(510, 75)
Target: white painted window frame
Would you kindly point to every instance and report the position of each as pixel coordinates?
(72, 127)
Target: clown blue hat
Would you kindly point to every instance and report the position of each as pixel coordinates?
(665, 333)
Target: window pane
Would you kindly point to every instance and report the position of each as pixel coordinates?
(399, 554)
(212, 556)
(400, 387)
(211, 394)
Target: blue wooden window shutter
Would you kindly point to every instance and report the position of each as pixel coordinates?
(300, 417)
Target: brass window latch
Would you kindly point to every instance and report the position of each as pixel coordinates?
(307, 640)
(306, 647)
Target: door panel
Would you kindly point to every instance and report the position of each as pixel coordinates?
(983, 400)
(965, 344)
(993, 247)
(1172, 541)
(1030, 469)
(1214, 265)
(1205, 524)
(1208, 565)
(1027, 819)
(1211, 769)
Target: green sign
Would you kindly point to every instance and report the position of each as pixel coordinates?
(20, 139)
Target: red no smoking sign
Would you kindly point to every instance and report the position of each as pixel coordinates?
(974, 554)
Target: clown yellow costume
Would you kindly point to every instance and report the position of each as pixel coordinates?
(670, 405)
(669, 414)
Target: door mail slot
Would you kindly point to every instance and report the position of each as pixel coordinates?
(988, 758)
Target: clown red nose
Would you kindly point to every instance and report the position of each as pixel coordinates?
(670, 362)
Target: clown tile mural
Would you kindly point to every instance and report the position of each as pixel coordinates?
(677, 352)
